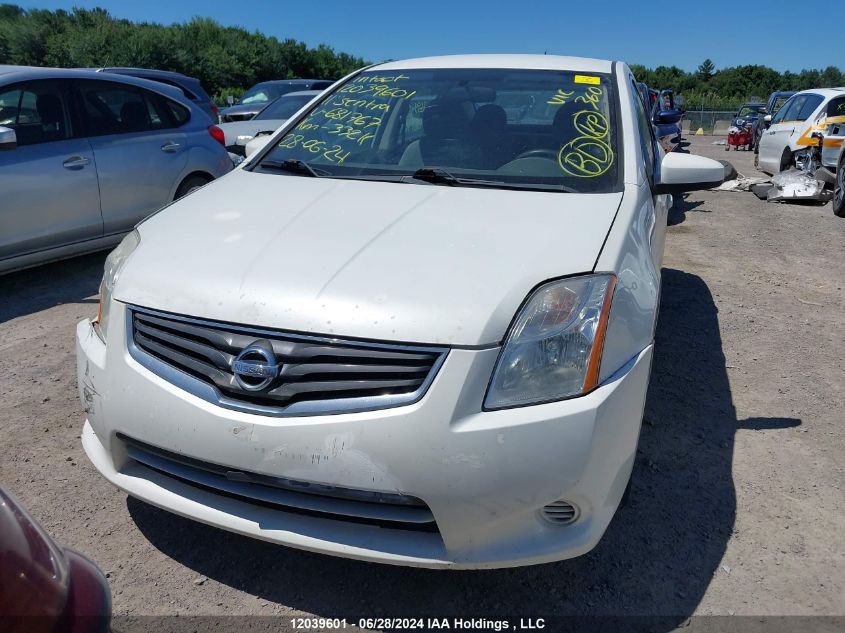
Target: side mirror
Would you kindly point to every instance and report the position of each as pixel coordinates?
(687, 172)
(8, 139)
(668, 116)
(256, 144)
(767, 118)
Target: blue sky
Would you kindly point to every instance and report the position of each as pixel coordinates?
(778, 33)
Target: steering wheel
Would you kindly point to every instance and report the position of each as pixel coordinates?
(538, 153)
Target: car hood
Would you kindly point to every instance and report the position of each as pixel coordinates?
(386, 261)
(249, 128)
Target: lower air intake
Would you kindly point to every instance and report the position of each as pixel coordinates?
(560, 513)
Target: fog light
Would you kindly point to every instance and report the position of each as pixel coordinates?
(560, 513)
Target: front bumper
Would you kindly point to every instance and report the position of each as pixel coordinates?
(484, 475)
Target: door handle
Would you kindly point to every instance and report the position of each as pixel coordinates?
(75, 162)
(170, 147)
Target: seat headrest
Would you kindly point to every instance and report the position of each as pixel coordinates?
(445, 119)
(134, 116)
(49, 108)
(490, 117)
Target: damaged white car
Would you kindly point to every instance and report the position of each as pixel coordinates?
(427, 338)
(791, 131)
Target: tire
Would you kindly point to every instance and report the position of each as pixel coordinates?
(189, 184)
(839, 189)
(786, 160)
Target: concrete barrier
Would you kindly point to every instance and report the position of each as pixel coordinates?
(720, 128)
(685, 126)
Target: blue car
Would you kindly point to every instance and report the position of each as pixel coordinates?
(85, 155)
(665, 116)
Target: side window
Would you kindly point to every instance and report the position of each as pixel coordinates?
(836, 107)
(37, 111)
(111, 108)
(10, 101)
(646, 134)
(179, 114)
(790, 110)
(780, 112)
(810, 104)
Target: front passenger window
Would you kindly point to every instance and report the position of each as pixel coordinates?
(646, 134)
(782, 110)
(36, 111)
(791, 109)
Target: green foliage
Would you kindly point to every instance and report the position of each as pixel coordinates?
(728, 88)
(221, 96)
(705, 71)
(220, 57)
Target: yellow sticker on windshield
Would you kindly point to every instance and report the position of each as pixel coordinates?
(587, 79)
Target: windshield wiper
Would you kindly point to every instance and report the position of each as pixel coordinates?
(294, 166)
(438, 176)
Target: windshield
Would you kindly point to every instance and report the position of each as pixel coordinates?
(552, 128)
(749, 111)
(262, 93)
(284, 107)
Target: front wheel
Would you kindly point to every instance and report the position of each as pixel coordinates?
(839, 189)
(189, 184)
(786, 160)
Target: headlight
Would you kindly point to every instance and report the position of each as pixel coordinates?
(553, 349)
(114, 262)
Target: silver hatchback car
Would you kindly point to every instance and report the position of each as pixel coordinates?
(85, 156)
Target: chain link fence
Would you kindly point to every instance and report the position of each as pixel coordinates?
(708, 121)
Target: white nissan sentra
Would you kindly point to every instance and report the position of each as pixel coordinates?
(415, 327)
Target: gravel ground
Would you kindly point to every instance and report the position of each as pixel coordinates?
(738, 504)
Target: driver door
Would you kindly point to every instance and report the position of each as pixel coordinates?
(48, 183)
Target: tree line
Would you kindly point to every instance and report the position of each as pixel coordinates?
(225, 59)
(725, 89)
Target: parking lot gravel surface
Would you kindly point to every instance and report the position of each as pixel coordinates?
(738, 503)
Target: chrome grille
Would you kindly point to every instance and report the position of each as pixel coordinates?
(317, 376)
(389, 510)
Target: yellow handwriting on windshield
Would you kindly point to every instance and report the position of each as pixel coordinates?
(561, 97)
(350, 119)
(589, 154)
(592, 97)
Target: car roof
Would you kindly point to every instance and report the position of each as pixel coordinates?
(25, 73)
(827, 93)
(533, 62)
(150, 71)
(302, 93)
(290, 81)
